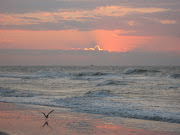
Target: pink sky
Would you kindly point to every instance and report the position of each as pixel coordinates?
(67, 39)
(136, 26)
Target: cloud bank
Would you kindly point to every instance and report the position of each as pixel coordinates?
(144, 18)
(86, 57)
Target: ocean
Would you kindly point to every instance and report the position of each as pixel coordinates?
(138, 92)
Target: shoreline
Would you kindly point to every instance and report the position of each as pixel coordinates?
(27, 120)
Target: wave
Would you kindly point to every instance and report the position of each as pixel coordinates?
(112, 82)
(102, 102)
(20, 76)
(138, 71)
(85, 78)
(7, 75)
(175, 76)
(100, 93)
(75, 76)
(89, 74)
(50, 73)
(95, 102)
(37, 75)
(17, 93)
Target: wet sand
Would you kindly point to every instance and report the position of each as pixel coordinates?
(27, 120)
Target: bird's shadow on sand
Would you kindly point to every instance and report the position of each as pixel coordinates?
(46, 125)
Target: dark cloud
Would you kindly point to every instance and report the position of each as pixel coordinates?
(23, 6)
(144, 24)
(53, 52)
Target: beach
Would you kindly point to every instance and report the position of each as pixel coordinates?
(28, 120)
(89, 67)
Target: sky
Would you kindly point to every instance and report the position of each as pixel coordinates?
(85, 32)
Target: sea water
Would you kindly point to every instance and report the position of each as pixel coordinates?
(148, 93)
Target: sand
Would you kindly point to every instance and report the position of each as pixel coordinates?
(28, 120)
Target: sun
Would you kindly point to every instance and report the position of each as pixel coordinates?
(96, 48)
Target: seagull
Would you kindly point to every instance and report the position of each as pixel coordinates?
(46, 116)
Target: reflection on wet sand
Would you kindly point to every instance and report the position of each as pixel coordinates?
(27, 121)
(46, 124)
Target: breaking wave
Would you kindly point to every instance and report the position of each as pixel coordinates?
(138, 71)
(89, 74)
(95, 102)
(112, 82)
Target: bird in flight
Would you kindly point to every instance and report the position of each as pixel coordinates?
(46, 116)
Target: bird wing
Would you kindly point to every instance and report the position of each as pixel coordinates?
(50, 112)
(44, 114)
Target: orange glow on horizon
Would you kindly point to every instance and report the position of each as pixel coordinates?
(105, 40)
(114, 42)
